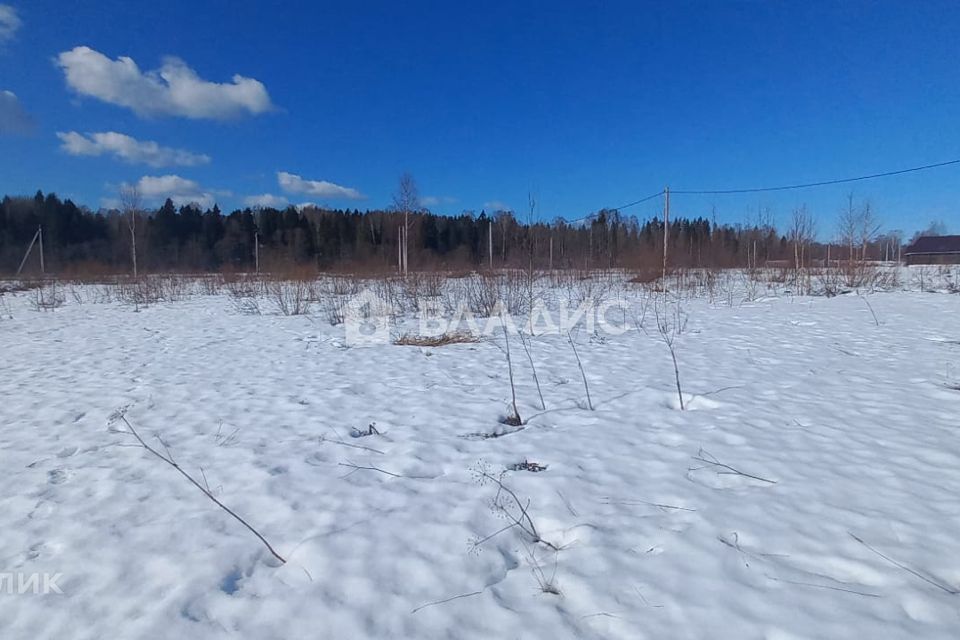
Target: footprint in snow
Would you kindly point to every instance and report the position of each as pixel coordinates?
(43, 509)
(58, 476)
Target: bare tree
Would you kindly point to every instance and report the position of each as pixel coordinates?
(868, 229)
(802, 235)
(406, 201)
(131, 203)
(847, 227)
(858, 228)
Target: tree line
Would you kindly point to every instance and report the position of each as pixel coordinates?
(191, 239)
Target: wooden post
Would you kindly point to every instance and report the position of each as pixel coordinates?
(133, 240)
(27, 254)
(490, 241)
(43, 269)
(666, 232)
(256, 250)
(406, 238)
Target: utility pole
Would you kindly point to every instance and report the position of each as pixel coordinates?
(256, 251)
(406, 246)
(404, 242)
(43, 270)
(666, 232)
(490, 242)
(551, 250)
(27, 254)
(133, 241)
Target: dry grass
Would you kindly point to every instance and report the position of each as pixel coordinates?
(457, 337)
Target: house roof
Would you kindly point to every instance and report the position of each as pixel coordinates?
(934, 244)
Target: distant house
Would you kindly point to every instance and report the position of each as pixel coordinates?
(934, 250)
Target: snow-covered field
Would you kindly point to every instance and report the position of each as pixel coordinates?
(848, 524)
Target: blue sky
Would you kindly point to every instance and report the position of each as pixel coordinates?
(585, 105)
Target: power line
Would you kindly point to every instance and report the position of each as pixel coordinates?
(813, 184)
(642, 200)
(788, 187)
(624, 206)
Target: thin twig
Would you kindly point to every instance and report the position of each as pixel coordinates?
(676, 373)
(926, 579)
(569, 506)
(341, 441)
(523, 521)
(870, 306)
(462, 595)
(513, 390)
(357, 467)
(823, 586)
(630, 502)
(583, 375)
(186, 475)
(523, 341)
(713, 462)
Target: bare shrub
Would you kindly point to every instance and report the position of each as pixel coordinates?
(671, 322)
(292, 298)
(516, 291)
(588, 287)
(49, 297)
(152, 289)
(486, 292)
(335, 309)
(245, 287)
(211, 285)
(343, 285)
(77, 295)
(420, 287)
(482, 294)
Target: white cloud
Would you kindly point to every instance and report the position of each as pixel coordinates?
(292, 183)
(435, 201)
(266, 200)
(128, 149)
(180, 190)
(9, 23)
(13, 119)
(496, 205)
(175, 89)
(111, 203)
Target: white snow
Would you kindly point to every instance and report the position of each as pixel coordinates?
(850, 428)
